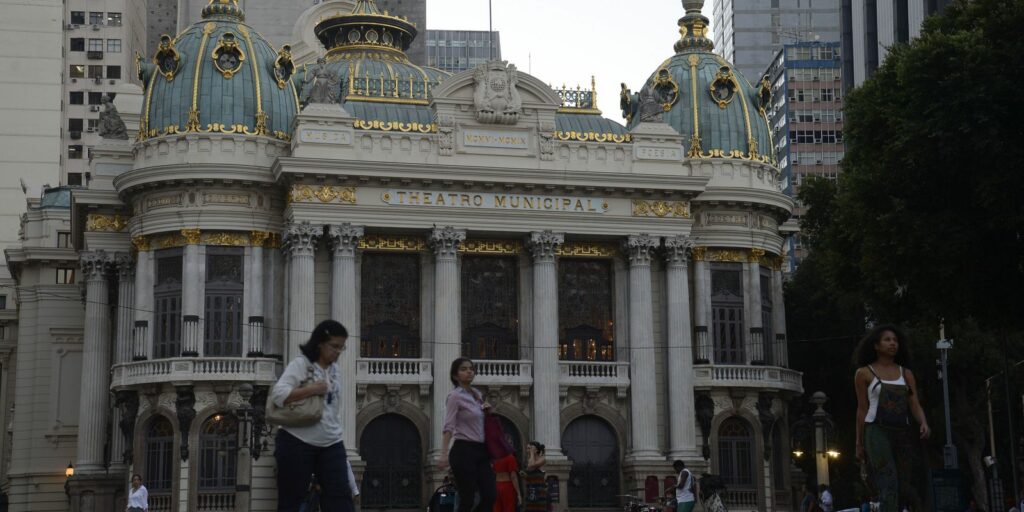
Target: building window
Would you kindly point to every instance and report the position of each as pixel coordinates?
(95, 45)
(585, 321)
(113, 46)
(3, 302)
(490, 307)
(75, 152)
(78, 17)
(218, 454)
(75, 178)
(95, 98)
(74, 125)
(65, 276)
(390, 305)
(114, 72)
(224, 289)
(727, 312)
(63, 239)
(95, 71)
(167, 296)
(114, 19)
(736, 454)
(77, 71)
(77, 44)
(76, 97)
(159, 455)
(766, 317)
(95, 18)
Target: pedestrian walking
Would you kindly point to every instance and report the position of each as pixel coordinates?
(825, 496)
(687, 488)
(464, 429)
(138, 496)
(506, 474)
(886, 398)
(316, 448)
(536, 499)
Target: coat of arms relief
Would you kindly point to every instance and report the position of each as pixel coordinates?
(496, 99)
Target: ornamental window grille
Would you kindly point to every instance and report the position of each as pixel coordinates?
(490, 307)
(585, 321)
(218, 453)
(736, 453)
(766, 316)
(727, 312)
(159, 454)
(222, 335)
(390, 305)
(167, 299)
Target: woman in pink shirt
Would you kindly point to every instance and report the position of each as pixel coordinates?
(464, 423)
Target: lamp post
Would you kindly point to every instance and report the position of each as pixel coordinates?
(818, 424)
(948, 451)
(253, 428)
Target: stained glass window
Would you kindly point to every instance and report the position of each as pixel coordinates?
(223, 312)
(167, 297)
(727, 312)
(390, 305)
(585, 322)
(490, 307)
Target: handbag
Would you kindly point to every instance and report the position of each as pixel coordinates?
(300, 413)
(494, 437)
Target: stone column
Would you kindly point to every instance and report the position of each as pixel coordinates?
(300, 241)
(681, 411)
(642, 388)
(145, 275)
(191, 297)
(344, 242)
(447, 321)
(779, 344)
(255, 327)
(92, 416)
(546, 411)
(125, 307)
(755, 340)
(702, 307)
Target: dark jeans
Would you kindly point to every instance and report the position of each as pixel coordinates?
(298, 461)
(471, 466)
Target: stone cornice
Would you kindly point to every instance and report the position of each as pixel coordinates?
(772, 199)
(41, 254)
(177, 173)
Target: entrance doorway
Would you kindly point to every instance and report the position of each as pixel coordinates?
(591, 444)
(391, 447)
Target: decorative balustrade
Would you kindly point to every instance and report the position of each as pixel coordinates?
(593, 374)
(743, 376)
(387, 371)
(215, 502)
(160, 502)
(491, 372)
(741, 499)
(186, 369)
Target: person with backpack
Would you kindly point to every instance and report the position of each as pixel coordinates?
(687, 488)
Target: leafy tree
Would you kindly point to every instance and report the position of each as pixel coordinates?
(927, 220)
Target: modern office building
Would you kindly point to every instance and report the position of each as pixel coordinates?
(458, 50)
(748, 33)
(871, 27)
(619, 287)
(806, 117)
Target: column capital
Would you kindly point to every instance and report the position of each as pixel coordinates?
(300, 238)
(678, 249)
(125, 267)
(344, 238)
(445, 241)
(95, 264)
(544, 244)
(639, 248)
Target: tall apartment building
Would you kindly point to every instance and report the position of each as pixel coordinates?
(806, 118)
(871, 27)
(458, 50)
(750, 32)
(101, 38)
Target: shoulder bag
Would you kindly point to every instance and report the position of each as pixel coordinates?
(300, 413)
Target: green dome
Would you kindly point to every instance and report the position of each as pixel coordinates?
(378, 84)
(704, 98)
(218, 76)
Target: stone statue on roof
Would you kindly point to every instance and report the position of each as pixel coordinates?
(321, 85)
(111, 125)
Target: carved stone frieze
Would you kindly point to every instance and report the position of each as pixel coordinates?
(322, 194)
(446, 134)
(661, 209)
(100, 222)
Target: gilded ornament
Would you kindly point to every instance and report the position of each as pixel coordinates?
(284, 68)
(699, 253)
(224, 238)
(397, 126)
(727, 255)
(191, 236)
(167, 240)
(99, 222)
(392, 243)
(587, 249)
(723, 88)
(167, 59)
(140, 242)
(593, 137)
(227, 55)
(258, 238)
(500, 247)
(642, 208)
(756, 254)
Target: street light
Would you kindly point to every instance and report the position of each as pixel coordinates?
(70, 470)
(251, 418)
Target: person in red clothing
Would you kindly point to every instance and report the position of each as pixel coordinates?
(506, 472)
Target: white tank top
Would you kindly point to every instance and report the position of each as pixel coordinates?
(874, 389)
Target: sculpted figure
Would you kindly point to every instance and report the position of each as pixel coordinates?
(321, 85)
(111, 126)
(496, 97)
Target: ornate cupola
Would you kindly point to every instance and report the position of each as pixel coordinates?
(366, 28)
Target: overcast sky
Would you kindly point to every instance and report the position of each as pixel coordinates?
(567, 41)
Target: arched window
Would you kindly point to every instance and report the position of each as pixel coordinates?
(218, 453)
(736, 453)
(591, 444)
(167, 294)
(391, 447)
(159, 455)
(727, 312)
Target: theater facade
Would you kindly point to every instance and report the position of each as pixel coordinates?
(618, 285)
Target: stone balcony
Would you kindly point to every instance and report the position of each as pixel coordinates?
(708, 376)
(593, 375)
(258, 371)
